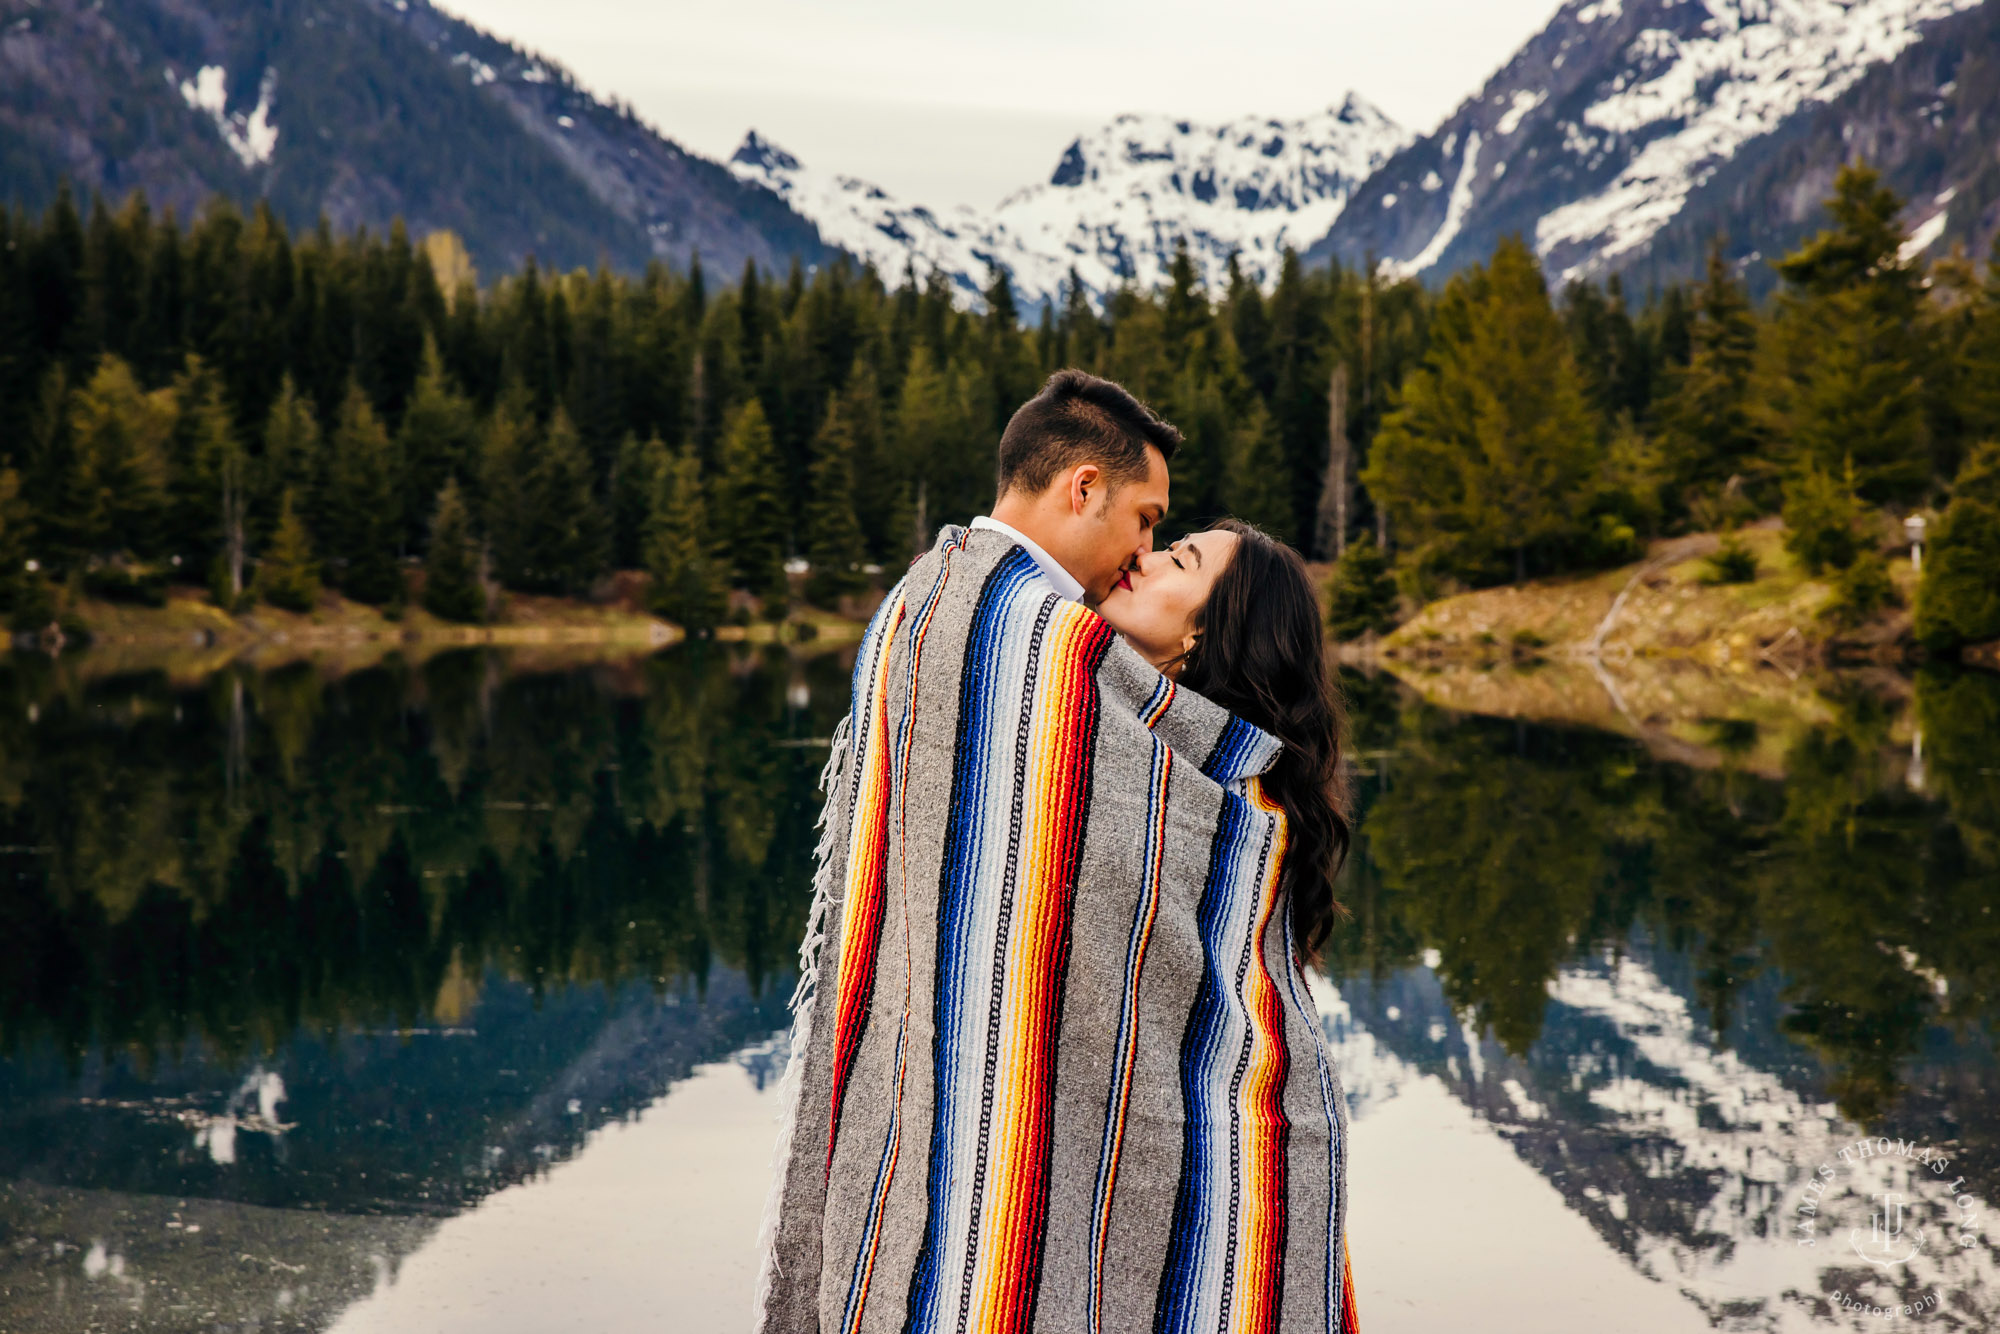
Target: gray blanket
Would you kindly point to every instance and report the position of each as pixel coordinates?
(1055, 1064)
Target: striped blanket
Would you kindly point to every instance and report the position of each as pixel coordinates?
(1054, 1066)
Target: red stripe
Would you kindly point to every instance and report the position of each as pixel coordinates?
(867, 877)
(1073, 691)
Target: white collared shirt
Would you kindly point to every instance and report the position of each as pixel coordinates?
(1065, 582)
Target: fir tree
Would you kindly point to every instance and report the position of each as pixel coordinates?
(680, 548)
(751, 511)
(1255, 485)
(1709, 423)
(632, 480)
(363, 511)
(1822, 518)
(24, 597)
(436, 438)
(116, 491)
(833, 534)
(1860, 400)
(221, 496)
(1840, 380)
(288, 576)
(453, 589)
(1978, 356)
(563, 534)
(1958, 601)
(1364, 591)
(504, 452)
(1490, 453)
(293, 460)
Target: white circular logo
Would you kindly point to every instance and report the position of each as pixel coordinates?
(1897, 1206)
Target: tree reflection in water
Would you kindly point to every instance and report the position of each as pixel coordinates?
(1866, 887)
(463, 911)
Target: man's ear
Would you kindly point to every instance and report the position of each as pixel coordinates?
(1084, 482)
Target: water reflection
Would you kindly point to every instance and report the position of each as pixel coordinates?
(294, 968)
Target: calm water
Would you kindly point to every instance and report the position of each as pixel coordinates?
(451, 997)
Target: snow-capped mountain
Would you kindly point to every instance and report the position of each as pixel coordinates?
(362, 112)
(1595, 135)
(1117, 204)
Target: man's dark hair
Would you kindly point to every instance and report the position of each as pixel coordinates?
(1077, 419)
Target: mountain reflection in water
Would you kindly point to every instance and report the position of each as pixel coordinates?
(295, 969)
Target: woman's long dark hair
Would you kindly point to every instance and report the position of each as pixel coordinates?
(1260, 652)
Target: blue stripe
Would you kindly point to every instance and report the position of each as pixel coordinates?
(965, 830)
(1179, 1300)
(1129, 1009)
(1231, 748)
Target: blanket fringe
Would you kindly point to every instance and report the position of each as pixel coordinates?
(801, 1005)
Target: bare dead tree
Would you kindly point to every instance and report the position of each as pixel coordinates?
(1337, 488)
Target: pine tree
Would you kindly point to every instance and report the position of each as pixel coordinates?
(565, 539)
(288, 576)
(1822, 518)
(1978, 369)
(452, 586)
(1861, 400)
(24, 596)
(221, 469)
(1709, 424)
(1958, 601)
(1255, 485)
(1840, 382)
(436, 438)
(687, 585)
(293, 460)
(751, 510)
(363, 505)
(1491, 451)
(1364, 591)
(833, 534)
(117, 489)
(504, 449)
(632, 482)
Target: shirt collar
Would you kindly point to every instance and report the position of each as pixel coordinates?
(1065, 583)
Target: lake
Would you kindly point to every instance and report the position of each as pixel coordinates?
(451, 995)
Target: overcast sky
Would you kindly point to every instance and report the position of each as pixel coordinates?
(944, 103)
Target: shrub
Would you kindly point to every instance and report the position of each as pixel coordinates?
(1734, 563)
(118, 582)
(1822, 520)
(1364, 592)
(1861, 590)
(1958, 601)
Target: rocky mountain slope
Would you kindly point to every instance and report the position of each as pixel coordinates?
(1929, 120)
(1605, 128)
(1117, 204)
(362, 111)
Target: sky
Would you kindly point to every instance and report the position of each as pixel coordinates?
(945, 104)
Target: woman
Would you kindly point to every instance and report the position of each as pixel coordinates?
(1056, 1065)
(1232, 614)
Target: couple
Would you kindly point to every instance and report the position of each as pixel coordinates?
(1055, 1063)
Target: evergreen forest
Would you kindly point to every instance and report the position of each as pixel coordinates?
(275, 414)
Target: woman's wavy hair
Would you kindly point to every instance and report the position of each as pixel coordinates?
(1260, 652)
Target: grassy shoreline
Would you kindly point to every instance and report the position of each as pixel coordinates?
(190, 636)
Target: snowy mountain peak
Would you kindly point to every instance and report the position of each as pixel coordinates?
(760, 153)
(1611, 118)
(1120, 199)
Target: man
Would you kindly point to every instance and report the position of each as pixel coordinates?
(1035, 846)
(1083, 482)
